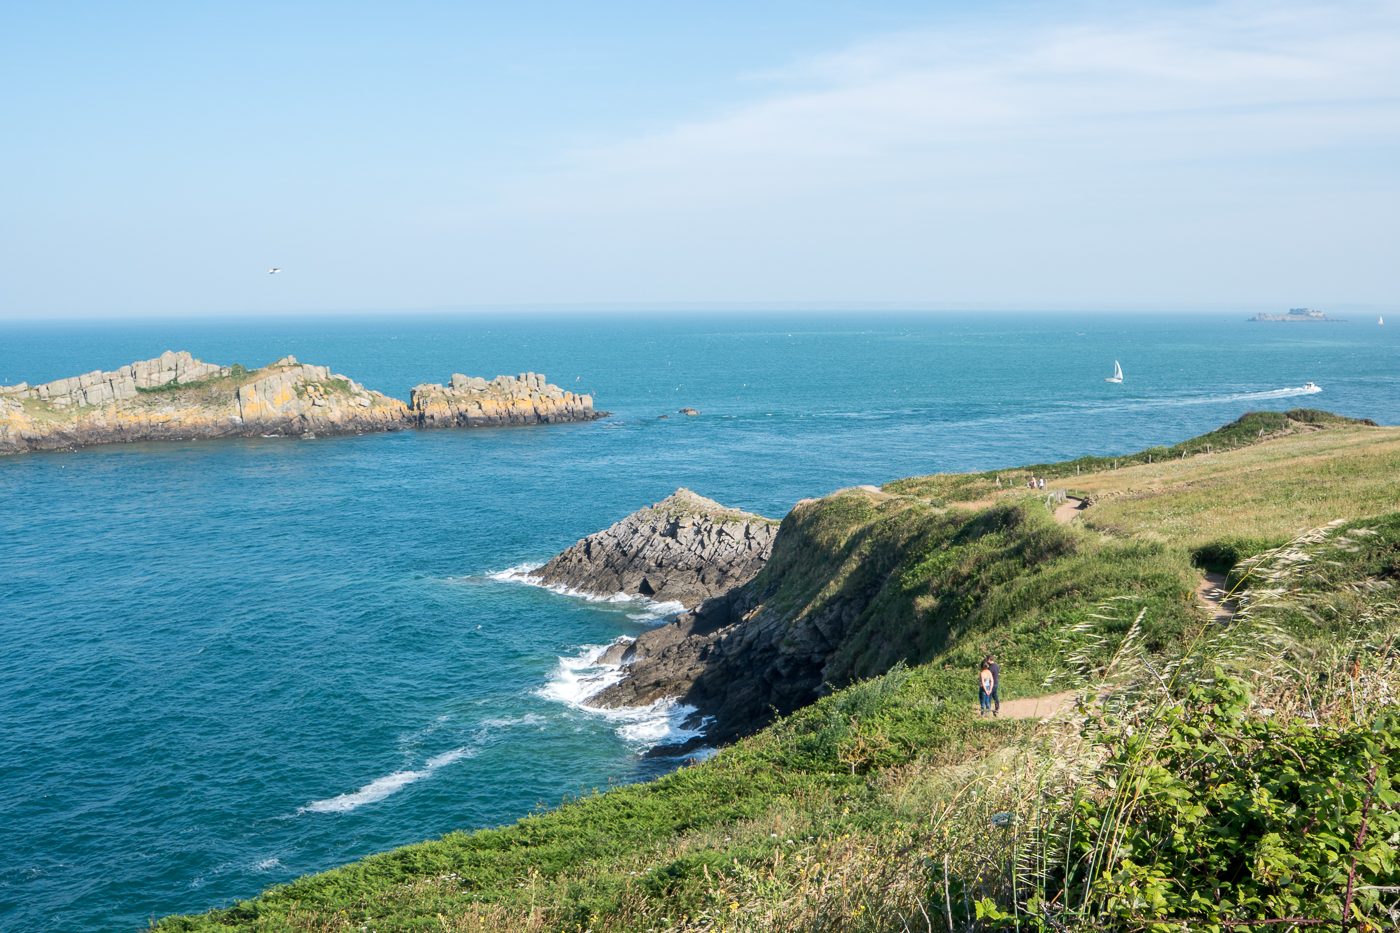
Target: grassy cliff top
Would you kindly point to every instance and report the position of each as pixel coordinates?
(1308, 473)
(890, 797)
(684, 503)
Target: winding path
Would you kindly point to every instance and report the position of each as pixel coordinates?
(1072, 507)
(1211, 595)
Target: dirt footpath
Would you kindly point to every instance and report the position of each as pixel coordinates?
(1037, 707)
(1072, 507)
(1211, 594)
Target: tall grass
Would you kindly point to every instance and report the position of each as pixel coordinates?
(886, 806)
(1042, 835)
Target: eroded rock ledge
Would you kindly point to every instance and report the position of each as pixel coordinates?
(684, 549)
(177, 397)
(738, 658)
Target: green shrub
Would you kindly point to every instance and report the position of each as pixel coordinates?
(1218, 819)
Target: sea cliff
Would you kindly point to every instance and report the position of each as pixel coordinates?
(736, 658)
(684, 549)
(891, 797)
(841, 593)
(178, 397)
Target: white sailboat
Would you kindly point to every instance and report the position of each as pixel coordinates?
(1381, 319)
(1117, 373)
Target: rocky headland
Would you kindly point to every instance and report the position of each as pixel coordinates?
(178, 397)
(733, 659)
(684, 549)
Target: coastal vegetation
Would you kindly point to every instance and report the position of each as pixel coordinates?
(1203, 774)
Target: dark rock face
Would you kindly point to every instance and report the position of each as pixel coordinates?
(736, 660)
(685, 548)
(731, 660)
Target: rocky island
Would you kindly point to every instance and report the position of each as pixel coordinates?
(1298, 314)
(178, 397)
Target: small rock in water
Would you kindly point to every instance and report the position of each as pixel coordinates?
(686, 411)
(659, 417)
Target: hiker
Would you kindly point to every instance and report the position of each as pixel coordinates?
(990, 666)
(986, 686)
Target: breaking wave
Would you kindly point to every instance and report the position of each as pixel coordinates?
(382, 787)
(578, 678)
(646, 610)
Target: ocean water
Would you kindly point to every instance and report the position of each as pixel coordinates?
(229, 663)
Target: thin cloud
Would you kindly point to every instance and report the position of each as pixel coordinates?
(1231, 82)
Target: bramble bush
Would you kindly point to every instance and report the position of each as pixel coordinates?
(1217, 819)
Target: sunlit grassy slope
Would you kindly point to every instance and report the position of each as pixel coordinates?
(1269, 488)
(832, 818)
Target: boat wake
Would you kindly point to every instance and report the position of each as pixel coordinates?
(1308, 389)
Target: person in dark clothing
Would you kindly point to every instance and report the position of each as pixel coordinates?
(990, 664)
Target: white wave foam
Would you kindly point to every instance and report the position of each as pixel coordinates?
(516, 574)
(578, 678)
(529, 719)
(268, 864)
(382, 787)
(649, 609)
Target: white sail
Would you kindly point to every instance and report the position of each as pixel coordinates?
(1381, 319)
(1117, 373)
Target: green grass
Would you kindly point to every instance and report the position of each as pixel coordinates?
(236, 372)
(891, 770)
(1249, 429)
(923, 585)
(938, 587)
(600, 840)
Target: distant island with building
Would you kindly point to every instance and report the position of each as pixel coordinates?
(1298, 314)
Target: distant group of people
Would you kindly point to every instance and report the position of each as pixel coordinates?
(988, 680)
(1036, 483)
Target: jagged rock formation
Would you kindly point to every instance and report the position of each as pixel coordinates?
(728, 658)
(737, 658)
(685, 548)
(474, 402)
(97, 387)
(178, 397)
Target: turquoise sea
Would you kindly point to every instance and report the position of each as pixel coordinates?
(229, 663)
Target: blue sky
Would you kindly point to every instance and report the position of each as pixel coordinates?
(158, 159)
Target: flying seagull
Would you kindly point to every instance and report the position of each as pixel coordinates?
(273, 271)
